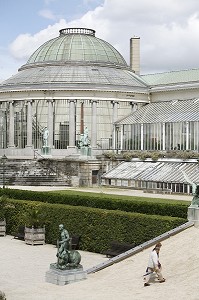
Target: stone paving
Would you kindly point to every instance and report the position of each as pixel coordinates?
(106, 190)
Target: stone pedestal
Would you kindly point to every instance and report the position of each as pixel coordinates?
(45, 150)
(85, 151)
(63, 277)
(193, 214)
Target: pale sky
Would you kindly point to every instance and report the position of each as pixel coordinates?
(168, 30)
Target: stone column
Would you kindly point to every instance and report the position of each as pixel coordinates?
(122, 137)
(142, 137)
(72, 123)
(114, 138)
(163, 137)
(115, 110)
(94, 125)
(29, 124)
(114, 119)
(187, 135)
(50, 122)
(11, 124)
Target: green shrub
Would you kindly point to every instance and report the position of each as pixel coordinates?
(5, 207)
(35, 218)
(127, 156)
(111, 155)
(111, 202)
(97, 227)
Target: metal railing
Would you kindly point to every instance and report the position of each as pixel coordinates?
(56, 170)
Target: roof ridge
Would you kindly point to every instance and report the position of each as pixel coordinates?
(168, 72)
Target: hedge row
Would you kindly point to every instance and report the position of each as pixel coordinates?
(110, 202)
(97, 227)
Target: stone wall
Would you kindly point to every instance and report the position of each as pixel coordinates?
(66, 172)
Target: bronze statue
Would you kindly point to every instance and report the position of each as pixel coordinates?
(64, 239)
(195, 190)
(45, 136)
(84, 139)
(86, 142)
(195, 200)
(66, 257)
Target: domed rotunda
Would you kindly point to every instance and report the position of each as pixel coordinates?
(73, 84)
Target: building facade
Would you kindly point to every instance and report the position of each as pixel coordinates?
(164, 125)
(76, 91)
(70, 83)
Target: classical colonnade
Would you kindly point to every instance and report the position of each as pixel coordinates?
(50, 116)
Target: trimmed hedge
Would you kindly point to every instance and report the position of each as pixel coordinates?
(111, 202)
(97, 227)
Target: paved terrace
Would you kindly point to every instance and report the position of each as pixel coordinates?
(23, 268)
(105, 190)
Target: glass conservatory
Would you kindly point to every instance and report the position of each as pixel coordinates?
(169, 125)
(72, 81)
(162, 176)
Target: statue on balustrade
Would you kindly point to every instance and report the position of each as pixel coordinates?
(45, 137)
(84, 139)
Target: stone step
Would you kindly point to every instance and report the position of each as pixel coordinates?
(26, 172)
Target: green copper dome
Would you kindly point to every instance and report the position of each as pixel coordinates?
(76, 60)
(77, 45)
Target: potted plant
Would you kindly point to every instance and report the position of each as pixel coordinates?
(35, 228)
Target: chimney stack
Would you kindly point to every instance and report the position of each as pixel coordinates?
(135, 54)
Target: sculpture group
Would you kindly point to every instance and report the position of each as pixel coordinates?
(66, 257)
(67, 269)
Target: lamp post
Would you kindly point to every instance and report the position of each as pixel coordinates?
(4, 159)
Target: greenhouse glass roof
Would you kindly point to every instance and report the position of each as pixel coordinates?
(75, 76)
(160, 171)
(173, 77)
(168, 111)
(76, 45)
(76, 60)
